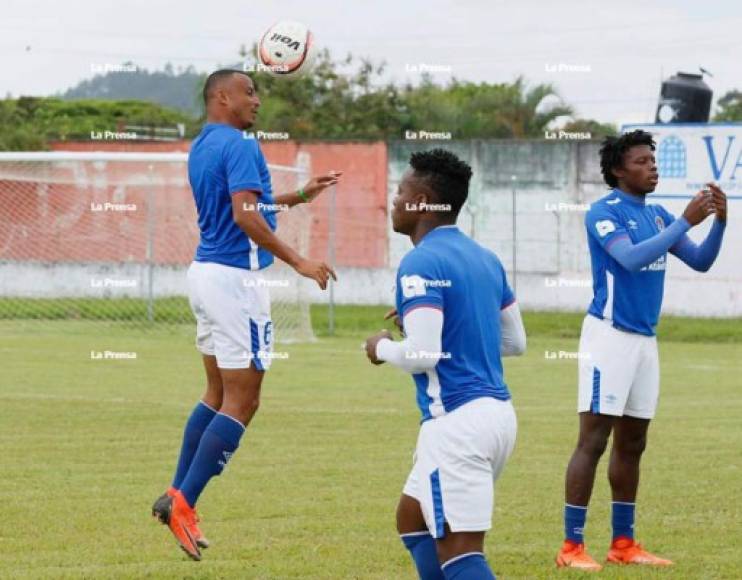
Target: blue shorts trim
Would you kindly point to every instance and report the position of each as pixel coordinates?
(440, 519)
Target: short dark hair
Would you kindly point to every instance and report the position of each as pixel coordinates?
(447, 175)
(217, 77)
(613, 148)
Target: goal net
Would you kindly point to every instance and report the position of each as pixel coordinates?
(108, 237)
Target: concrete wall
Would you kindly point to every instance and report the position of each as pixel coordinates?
(526, 203)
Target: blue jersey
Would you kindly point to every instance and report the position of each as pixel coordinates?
(222, 162)
(630, 300)
(449, 271)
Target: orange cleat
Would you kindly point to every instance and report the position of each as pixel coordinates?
(627, 551)
(573, 555)
(179, 516)
(160, 510)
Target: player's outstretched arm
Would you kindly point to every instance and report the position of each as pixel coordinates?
(634, 257)
(252, 222)
(419, 351)
(312, 189)
(512, 331)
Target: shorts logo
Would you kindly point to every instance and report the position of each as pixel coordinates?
(268, 333)
(412, 286)
(660, 223)
(605, 227)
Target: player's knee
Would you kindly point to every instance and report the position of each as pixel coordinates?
(633, 448)
(593, 445)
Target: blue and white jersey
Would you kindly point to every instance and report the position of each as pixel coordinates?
(630, 300)
(449, 271)
(222, 162)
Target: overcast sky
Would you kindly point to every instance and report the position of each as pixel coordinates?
(622, 48)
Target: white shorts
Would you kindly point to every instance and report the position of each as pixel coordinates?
(619, 372)
(233, 315)
(457, 460)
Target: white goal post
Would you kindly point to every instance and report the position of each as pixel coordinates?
(108, 236)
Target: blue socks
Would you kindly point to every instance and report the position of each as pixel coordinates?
(218, 442)
(622, 519)
(421, 546)
(198, 421)
(471, 566)
(574, 523)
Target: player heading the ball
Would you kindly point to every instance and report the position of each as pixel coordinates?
(458, 317)
(233, 194)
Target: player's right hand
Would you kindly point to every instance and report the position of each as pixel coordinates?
(699, 208)
(317, 271)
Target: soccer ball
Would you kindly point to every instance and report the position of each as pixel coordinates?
(286, 48)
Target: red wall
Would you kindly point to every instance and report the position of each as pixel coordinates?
(360, 212)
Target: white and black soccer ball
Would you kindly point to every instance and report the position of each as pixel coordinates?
(286, 48)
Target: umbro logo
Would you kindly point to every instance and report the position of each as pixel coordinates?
(614, 201)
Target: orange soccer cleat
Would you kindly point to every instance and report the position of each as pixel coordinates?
(174, 511)
(160, 510)
(573, 555)
(627, 551)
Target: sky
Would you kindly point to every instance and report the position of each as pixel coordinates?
(605, 58)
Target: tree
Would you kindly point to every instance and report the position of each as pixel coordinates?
(730, 107)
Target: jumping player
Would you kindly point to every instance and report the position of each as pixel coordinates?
(237, 218)
(619, 367)
(458, 316)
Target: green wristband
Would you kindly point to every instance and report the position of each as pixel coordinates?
(302, 195)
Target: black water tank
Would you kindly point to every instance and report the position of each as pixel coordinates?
(684, 98)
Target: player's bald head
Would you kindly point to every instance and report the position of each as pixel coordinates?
(221, 79)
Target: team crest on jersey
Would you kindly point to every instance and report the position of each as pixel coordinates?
(605, 227)
(660, 222)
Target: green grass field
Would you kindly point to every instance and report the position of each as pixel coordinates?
(86, 446)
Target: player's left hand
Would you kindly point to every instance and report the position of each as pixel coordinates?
(719, 199)
(396, 319)
(371, 343)
(317, 185)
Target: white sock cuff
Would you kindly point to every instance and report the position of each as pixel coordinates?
(209, 407)
(413, 534)
(461, 557)
(233, 419)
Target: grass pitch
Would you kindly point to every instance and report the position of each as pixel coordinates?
(86, 445)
